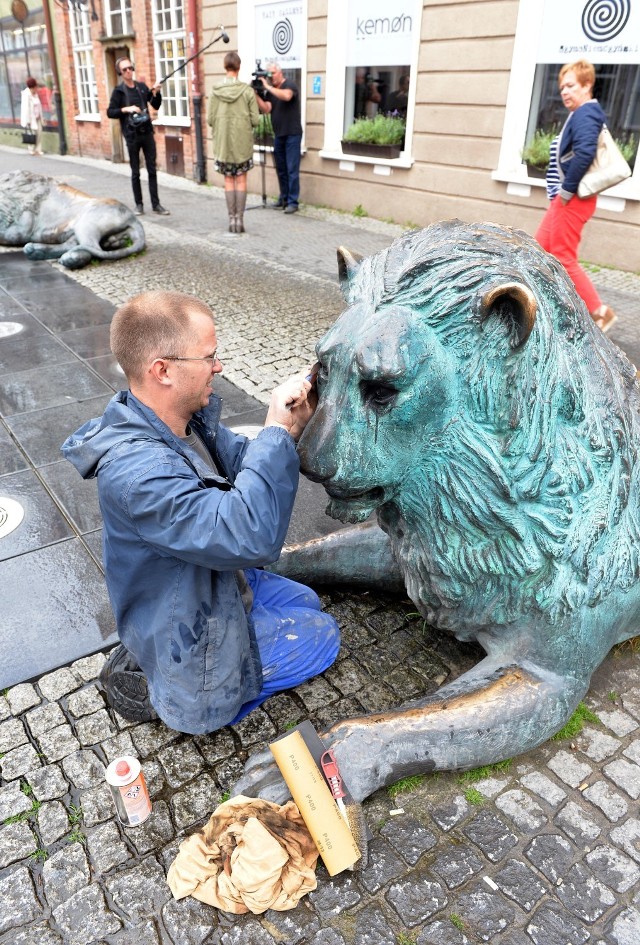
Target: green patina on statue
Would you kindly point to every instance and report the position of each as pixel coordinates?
(469, 401)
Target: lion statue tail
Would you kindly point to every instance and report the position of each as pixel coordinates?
(117, 244)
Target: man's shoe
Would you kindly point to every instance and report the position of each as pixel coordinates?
(278, 204)
(160, 209)
(139, 210)
(291, 208)
(125, 686)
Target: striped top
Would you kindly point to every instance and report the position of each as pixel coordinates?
(553, 173)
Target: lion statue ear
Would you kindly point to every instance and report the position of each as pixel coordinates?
(514, 302)
(348, 265)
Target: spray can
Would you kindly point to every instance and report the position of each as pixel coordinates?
(129, 790)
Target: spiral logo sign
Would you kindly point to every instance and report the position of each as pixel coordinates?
(603, 20)
(282, 36)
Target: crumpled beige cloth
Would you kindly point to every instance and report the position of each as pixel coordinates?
(251, 856)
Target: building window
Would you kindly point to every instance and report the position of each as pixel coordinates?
(83, 61)
(545, 40)
(617, 88)
(274, 32)
(24, 52)
(170, 44)
(118, 17)
(372, 57)
(379, 49)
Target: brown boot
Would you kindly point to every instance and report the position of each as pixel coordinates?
(241, 200)
(231, 208)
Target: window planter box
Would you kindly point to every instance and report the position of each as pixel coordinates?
(534, 171)
(383, 151)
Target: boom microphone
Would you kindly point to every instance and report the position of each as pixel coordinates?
(225, 36)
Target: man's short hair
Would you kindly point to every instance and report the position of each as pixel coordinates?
(32, 83)
(232, 61)
(152, 325)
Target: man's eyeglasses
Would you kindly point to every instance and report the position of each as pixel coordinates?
(211, 358)
(127, 69)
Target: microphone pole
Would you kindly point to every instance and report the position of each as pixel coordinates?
(223, 36)
(197, 103)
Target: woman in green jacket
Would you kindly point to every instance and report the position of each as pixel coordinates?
(233, 114)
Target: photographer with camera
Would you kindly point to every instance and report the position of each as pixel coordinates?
(129, 101)
(280, 98)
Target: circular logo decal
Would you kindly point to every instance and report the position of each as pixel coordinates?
(11, 514)
(282, 37)
(603, 20)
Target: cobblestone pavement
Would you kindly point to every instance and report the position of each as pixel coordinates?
(545, 850)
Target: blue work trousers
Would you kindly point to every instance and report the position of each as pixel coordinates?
(286, 152)
(296, 639)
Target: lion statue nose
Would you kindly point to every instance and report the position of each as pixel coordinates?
(316, 457)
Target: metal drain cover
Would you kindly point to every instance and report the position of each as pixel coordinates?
(11, 514)
(10, 328)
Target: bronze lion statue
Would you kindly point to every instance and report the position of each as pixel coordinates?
(469, 402)
(55, 221)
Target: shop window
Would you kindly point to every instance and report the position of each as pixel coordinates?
(617, 88)
(549, 35)
(372, 58)
(375, 90)
(24, 52)
(274, 32)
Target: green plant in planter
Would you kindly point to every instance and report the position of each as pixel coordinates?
(628, 149)
(264, 128)
(536, 153)
(383, 129)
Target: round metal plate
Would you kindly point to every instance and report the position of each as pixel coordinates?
(10, 328)
(11, 514)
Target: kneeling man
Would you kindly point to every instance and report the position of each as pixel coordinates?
(191, 512)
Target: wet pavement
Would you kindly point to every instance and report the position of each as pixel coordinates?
(546, 850)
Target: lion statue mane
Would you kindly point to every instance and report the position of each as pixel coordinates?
(467, 399)
(55, 221)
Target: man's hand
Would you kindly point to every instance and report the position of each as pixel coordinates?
(293, 403)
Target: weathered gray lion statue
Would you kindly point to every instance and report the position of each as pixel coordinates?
(55, 221)
(467, 398)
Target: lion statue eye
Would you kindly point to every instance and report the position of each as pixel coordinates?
(378, 395)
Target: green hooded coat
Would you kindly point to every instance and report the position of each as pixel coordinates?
(233, 114)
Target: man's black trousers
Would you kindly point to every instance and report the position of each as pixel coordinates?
(146, 144)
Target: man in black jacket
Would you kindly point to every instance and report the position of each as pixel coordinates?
(128, 103)
(282, 101)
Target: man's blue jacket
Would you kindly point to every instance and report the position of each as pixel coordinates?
(173, 537)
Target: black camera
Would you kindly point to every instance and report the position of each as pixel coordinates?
(258, 75)
(140, 122)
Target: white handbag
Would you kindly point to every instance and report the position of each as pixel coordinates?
(607, 168)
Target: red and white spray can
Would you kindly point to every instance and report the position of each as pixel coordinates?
(129, 790)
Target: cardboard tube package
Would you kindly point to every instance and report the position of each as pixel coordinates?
(319, 811)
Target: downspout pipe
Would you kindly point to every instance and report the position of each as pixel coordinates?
(57, 95)
(194, 76)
